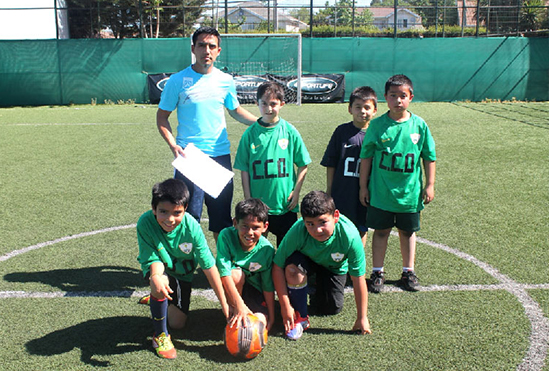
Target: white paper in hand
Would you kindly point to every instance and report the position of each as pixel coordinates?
(202, 170)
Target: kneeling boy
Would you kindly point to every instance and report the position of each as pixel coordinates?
(171, 244)
(327, 244)
(244, 260)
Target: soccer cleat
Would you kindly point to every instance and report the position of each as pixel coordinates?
(409, 281)
(304, 322)
(296, 332)
(377, 280)
(300, 324)
(146, 300)
(164, 346)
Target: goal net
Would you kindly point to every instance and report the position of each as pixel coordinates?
(255, 58)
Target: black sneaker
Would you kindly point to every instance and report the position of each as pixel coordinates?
(409, 281)
(377, 279)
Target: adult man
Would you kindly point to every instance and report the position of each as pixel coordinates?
(199, 94)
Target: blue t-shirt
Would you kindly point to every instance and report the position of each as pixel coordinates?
(199, 100)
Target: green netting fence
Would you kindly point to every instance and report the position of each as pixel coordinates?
(54, 72)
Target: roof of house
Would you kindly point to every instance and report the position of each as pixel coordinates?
(259, 10)
(385, 12)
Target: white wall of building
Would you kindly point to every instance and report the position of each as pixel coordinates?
(32, 19)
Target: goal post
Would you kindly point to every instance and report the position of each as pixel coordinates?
(255, 58)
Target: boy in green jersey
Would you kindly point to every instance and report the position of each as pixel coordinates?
(244, 260)
(327, 244)
(267, 154)
(394, 146)
(171, 245)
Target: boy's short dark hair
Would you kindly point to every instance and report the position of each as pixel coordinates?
(171, 190)
(317, 203)
(365, 93)
(270, 88)
(207, 31)
(253, 207)
(399, 80)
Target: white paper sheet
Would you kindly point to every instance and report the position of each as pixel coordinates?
(202, 170)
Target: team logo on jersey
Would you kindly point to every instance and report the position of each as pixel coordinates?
(254, 267)
(186, 247)
(415, 138)
(283, 143)
(187, 82)
(337, 257)
(255, 146)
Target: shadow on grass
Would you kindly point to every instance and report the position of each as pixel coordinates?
(99, 337)
(214, 322)
(102, 278)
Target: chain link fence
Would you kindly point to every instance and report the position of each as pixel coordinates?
(337, 18)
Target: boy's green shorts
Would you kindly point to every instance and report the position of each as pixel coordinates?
(381, 219)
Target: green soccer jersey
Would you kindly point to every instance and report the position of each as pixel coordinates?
(397, 148)
(341, 253)
(255, 264)
(180, 250)
(269, 155)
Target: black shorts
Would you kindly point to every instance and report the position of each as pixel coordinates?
(381, 219)
(181, 296)
(254, 299)
(328, 298)
(279, 225)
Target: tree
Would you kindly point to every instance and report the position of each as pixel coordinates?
(533, 15)
(131, 18)
(341, 14)
(499, 16)
(302, 14)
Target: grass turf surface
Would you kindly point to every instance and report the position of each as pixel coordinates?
(71, 170)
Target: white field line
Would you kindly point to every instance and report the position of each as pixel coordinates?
(534, 360)
(62, 239)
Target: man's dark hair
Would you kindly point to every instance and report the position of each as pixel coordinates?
(207, 31)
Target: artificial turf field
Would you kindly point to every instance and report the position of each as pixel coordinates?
(75, 179)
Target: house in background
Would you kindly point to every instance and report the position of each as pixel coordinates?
(250, 14)
(385, 18)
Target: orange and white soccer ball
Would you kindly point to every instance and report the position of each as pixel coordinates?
(246, 342)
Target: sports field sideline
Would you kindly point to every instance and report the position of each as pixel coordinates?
(75, 179)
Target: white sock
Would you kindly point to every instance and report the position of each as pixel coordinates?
(377, 269)
(407, 269)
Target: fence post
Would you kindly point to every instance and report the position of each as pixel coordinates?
(436, 18)
(311, 20)
(518, 16)
(140, 9)
(226, 16)
(478, 18)
(395, 19)
(463, 17)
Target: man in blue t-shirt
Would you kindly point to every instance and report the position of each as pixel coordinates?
(199, 94)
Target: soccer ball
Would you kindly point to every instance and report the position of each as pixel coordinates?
(246, 342)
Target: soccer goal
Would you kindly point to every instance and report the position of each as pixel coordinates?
(255, 58)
